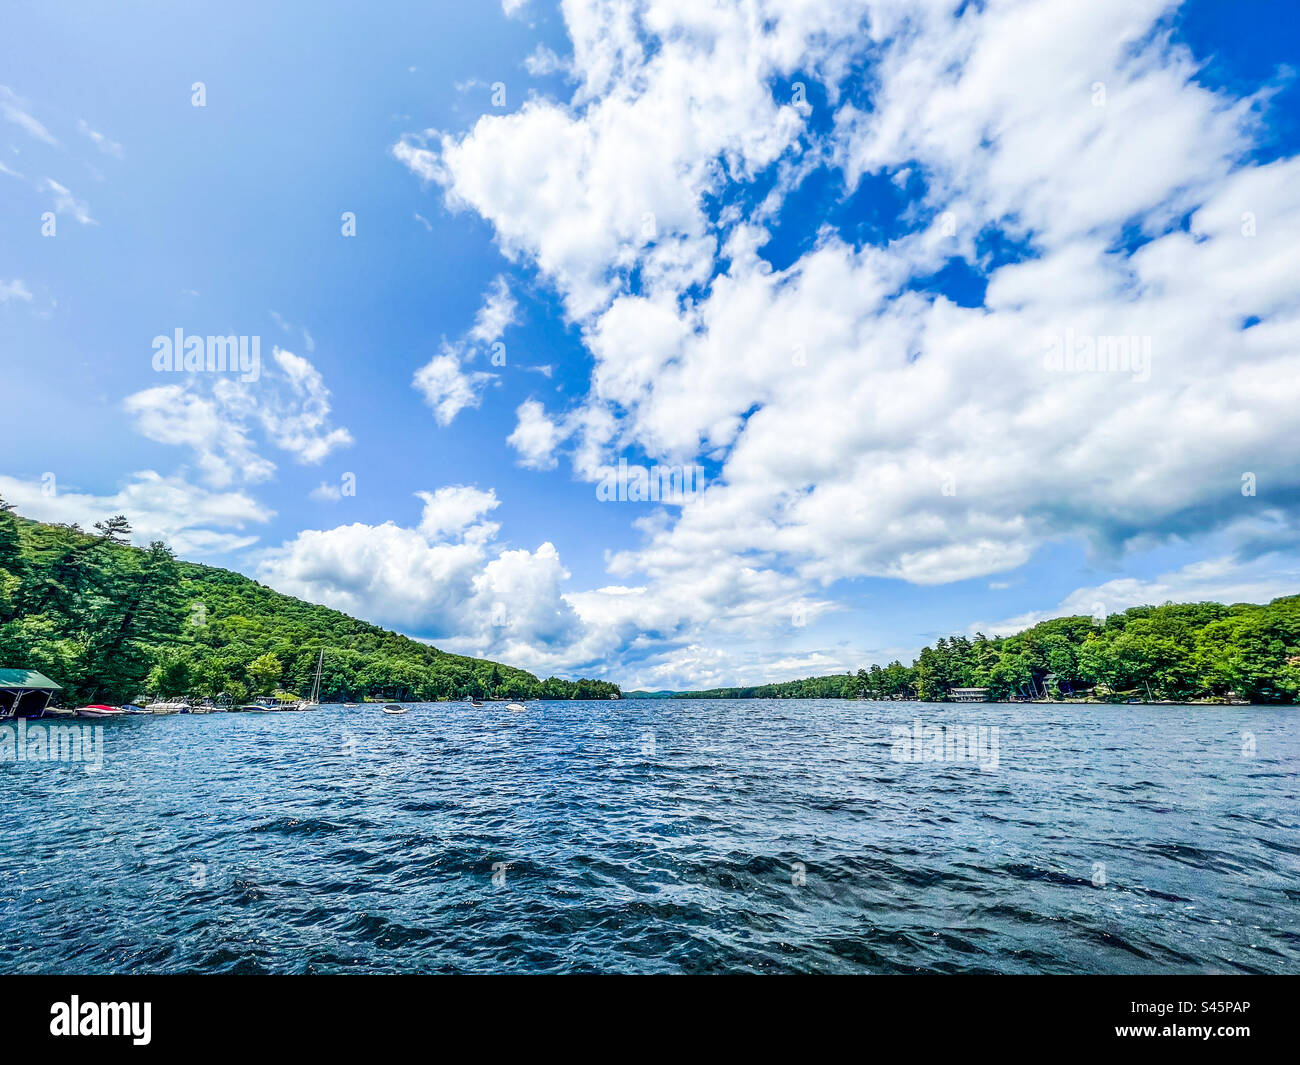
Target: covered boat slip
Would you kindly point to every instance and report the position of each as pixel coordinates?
(25, 693)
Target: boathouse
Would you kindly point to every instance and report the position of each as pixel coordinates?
(968, 695)
(25, 693)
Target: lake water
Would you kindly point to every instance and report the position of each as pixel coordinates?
(657, 836)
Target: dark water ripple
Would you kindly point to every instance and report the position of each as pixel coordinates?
(659, 837)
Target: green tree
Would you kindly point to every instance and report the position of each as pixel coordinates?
(264, 674)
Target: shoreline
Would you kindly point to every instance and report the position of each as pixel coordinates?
(954, 702)
(136, 714)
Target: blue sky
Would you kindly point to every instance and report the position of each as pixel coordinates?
(819, 251)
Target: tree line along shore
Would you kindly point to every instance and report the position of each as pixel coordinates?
(1175, 653)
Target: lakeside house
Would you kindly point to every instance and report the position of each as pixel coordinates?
(25, 693)
(968, 695)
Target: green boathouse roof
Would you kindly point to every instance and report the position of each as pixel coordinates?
(27, 680)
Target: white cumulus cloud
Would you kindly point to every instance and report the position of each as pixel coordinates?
(191, 519)
(1061, 156)
(216, 417)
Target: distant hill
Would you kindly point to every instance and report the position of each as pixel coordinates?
(663, 693)
(110, 621)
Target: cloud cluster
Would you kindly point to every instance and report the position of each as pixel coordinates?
(1219, 580)
(105, 144)
(15, 289)
(66, 203)
(217, 421)
(444, 382)
(190, 519)
(216, 418)
(14, 109)
(18, 112)
(446, 578)
(1115, 347)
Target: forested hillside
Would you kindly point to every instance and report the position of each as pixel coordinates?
(1175, 651)
(111, 622)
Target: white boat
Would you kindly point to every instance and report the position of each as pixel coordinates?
(98, 710)
(393, 708)
(262, 708)
(313, 701)
(168, 706)
(518, 708)
(59, 711)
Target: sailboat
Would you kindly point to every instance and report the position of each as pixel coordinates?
(313, 701)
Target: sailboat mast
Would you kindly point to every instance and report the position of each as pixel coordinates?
(315, 684)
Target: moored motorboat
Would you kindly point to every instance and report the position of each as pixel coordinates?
(393, 708)
(168, 706)
(60, 711)
(98, 710)
(518, 708)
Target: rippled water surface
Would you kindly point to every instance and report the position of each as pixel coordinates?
(652, 836)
